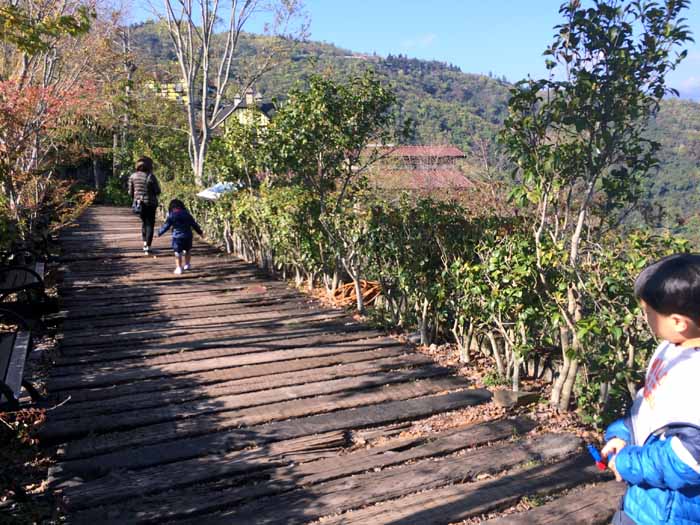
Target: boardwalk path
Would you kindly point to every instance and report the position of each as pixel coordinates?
(221, 396)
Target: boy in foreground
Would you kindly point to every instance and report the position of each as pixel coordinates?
(656, 448)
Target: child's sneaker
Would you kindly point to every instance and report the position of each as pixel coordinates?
(187, 267)
(178, 271)
(146, 248)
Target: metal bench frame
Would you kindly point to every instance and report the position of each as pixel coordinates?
(38, 284)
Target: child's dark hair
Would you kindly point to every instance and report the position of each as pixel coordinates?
(176, 203)
(672, 285)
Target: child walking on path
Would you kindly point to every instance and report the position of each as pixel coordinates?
(182, 224)
(656, 448)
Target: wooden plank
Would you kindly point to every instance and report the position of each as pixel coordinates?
(594, 505)
(204, 307)
(110, 311)
(40, 268)
(301, 502)
(464, 501)
(87, 379)
(183, 475)
(235, 410)
(221, 343)
(68, 366)
(7, 341)
(189, 334)
(198, 380)
(87, 460)
(201, 422)
(201, 309)
(244, 323)
(461, 502)
(158, 279)
(15, 368)
(174, 396)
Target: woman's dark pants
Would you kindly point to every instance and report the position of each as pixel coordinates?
(148, 223)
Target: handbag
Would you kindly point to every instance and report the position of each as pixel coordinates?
(137, 205)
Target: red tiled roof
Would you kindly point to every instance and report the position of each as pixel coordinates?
(423, 179)
(427, 151)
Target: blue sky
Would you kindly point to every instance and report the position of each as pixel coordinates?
(504, 37)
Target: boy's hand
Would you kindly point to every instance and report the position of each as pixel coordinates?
(611, 448)
(611, 466)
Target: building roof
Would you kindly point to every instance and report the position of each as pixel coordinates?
(423, 179)
(427, 151)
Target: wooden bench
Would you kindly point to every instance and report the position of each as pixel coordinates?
(15, 345)
(14, 348)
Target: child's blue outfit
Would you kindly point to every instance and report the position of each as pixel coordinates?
(661, 462)
(182, 224)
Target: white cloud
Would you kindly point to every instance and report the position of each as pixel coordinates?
(419, 42)
(688, 87)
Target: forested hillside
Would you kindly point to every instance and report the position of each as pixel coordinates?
(451, 106)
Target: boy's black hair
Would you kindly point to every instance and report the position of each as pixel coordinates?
(176, 203)
(672, 285)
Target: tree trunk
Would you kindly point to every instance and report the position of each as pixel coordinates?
(563, 369)
(115, 154)
(496, 354)
(96, 175)
(516, 374)
(358, 292)
(424, 332)
(569, 384)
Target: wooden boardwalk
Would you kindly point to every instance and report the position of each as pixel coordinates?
(221, 396)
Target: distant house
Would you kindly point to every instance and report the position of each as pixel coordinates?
(425, 156)
(174, 91)
(246, 108)
(421, 168)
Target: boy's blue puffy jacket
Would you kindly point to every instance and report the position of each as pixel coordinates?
(663, 485)
(182, 224)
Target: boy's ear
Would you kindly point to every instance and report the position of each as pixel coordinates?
(681, 323)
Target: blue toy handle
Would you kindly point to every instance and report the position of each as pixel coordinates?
(593, 451)
(599, 461)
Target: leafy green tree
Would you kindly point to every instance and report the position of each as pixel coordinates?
(321, 137)
(33, 28)
(577, 139)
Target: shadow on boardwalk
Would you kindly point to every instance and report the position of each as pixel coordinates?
(220, 396)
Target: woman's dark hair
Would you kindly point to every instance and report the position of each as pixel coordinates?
(144, 165)
(176, 203)
(672, 285)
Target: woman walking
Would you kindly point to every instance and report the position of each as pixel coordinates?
(144, 187)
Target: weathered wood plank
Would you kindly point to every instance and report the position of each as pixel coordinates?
(74, 366)
(464, 501)
(174, 396)
(312, 501)
(225, 487)
(201, 422)
(84, 378)
(593, 505)
(201, 309)
(183, 474)
(234, 410)
(201, 380)
(221, 345)
(244, 324)
(88, 461)
(174, 338)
